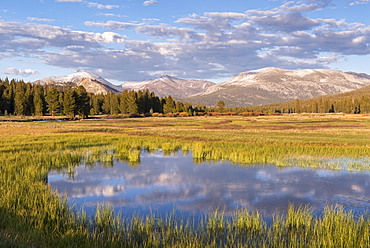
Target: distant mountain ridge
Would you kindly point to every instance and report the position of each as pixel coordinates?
(93, 83)
(273, 85)
(251, 88)
(352, 102)
(168, 85)
(162, 86)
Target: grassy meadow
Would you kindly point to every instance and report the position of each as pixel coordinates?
(32, 215)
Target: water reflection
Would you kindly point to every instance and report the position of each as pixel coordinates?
(162, 183)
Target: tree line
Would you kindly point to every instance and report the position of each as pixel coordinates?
(138, 103)
(353, 102)
(27, 99)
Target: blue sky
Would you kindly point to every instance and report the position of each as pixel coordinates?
(132, 40)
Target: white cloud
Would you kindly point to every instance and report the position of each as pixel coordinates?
(110, 37)
(290, 7)
(90, 4)
(359, 2)
(111, 15)
(21, 72)
(334, 23)
(165, 31)
(286, 22)
(68, 1)
(112, 25)
(306, 7)
(101, 6)
(301, 7)
(35, 19)
(56, 36)
(227, 15)
(150, 2)
(150, 19)
(214, 28)
(211, 45)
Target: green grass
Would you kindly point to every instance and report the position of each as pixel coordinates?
(32, 215)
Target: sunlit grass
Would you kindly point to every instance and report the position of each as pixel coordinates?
(32, 215)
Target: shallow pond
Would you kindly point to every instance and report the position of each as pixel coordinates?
(162, 184)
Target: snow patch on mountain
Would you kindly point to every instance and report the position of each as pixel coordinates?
(247, 88)
(278, 85)
(77, 77)
(275, 79)
(131, 85)
(162, 86)
(168, 85)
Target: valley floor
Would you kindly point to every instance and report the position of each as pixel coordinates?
(34, 216)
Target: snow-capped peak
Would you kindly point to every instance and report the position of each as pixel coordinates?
(85, 74)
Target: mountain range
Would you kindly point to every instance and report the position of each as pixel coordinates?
(251, 88)
(162, 86)
(273, 85)
(93, 83)
(172, 86)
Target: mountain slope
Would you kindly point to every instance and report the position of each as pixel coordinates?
(162, 86)
(167, 85)
(92, 82)
(352, 102)
(272, 85)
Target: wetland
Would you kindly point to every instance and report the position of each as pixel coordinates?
(162, 184)
(284, 181)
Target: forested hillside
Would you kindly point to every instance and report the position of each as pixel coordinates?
(274, 85)
(26, 99)
(353, 102)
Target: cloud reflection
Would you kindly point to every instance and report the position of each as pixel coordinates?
(164, 182)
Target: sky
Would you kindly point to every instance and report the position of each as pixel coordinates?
(134, 40)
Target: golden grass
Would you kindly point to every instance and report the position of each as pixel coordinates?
(34, 216)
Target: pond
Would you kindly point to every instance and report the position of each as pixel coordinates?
(163, 184)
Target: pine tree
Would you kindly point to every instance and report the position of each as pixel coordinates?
(123, 103)
(29, 99)
(38, 100)
(169, 105)
(20, 99)
(133, 107)
(2, 99)
(52, 100)
(297, 106)
(155, 103)
(221, 106)
(96, 102)
(9, 96)
(110, 104)
(143, 101)
(114, 104)
(82, 102)
(106, 103)
(69, 103)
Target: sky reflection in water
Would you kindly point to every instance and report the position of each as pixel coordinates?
(163, 183)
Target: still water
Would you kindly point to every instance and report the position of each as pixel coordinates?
(163, 184)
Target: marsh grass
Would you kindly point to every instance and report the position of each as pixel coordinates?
(33, 215)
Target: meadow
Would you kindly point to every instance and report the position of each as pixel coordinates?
(33, 215)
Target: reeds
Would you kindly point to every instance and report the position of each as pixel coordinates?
(32, 215)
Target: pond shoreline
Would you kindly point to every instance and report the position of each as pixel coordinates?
(34, 215)
(174, 182)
